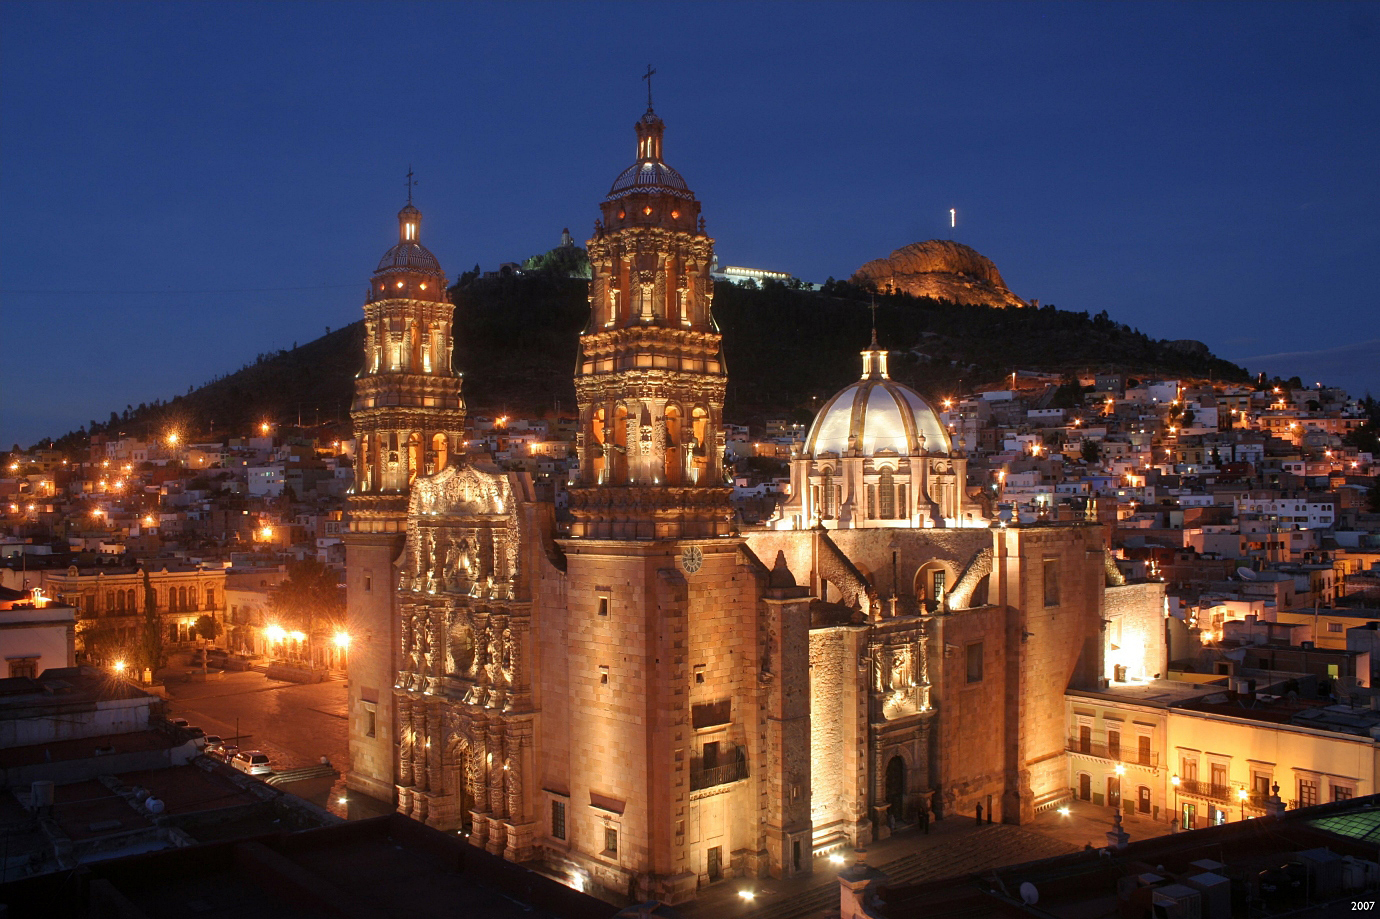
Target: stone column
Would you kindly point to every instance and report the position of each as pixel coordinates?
(405, 741)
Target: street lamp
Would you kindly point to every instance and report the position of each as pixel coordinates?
(1174, 780)
(1242, 795)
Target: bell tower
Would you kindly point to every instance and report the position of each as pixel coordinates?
(409, 421)
(658, 615)
(650, 380)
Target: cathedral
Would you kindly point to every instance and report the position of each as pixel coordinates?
(654, 698)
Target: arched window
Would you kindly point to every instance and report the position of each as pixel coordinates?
(440, 452)
(109, 601)
(210, 598)
(618, 457)
(701, 447)
(191, 598)
(598, 440)
(130, 602)
(827, 505)
(886, 489)
(674, 467)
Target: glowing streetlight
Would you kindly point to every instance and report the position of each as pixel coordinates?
(342, 640)
(1242, 795)
(275, 633)
(173, 438)
(119, 667)
(264, 427)
(836, 859)
(747, 896)
(1064, 811)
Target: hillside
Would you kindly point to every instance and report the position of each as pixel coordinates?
(784, 348)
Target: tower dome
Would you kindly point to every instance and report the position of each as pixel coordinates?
(649, 175)
(409, 254)
(876, 415)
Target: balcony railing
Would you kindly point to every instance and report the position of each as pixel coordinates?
(1201, 789)
(731, 771)
(1115, 752)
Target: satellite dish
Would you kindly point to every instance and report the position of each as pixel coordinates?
(1245, 574)
(1029, 895)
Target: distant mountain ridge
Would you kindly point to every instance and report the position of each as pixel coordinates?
(786, 350)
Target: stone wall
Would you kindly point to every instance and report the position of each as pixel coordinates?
(1135, 632)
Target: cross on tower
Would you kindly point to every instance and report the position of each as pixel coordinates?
(648, 77)
(410, 183)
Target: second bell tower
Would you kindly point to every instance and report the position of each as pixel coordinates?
(650, 380)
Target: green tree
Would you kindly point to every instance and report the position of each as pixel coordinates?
(308, 597)
(207, 627)
(151, 641)
(1092, 451)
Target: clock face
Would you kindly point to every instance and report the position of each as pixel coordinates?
(691, 559)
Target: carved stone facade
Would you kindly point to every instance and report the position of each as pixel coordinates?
(464, 683)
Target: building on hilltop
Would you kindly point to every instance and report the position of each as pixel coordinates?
(659, 698)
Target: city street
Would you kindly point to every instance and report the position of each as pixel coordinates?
(295, 724)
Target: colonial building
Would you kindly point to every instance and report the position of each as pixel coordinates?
(111, 602)
(658, 700)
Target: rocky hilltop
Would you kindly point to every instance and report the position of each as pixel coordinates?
(942, 269)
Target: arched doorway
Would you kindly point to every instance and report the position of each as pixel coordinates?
(896, 788)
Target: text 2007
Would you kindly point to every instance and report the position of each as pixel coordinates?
(1363, 904)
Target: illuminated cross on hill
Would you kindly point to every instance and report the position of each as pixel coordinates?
(410, 183)
(648, 77)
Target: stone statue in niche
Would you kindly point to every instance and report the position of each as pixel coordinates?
(900, 668)
(505, 660)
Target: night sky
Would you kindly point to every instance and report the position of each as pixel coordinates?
(187, 185)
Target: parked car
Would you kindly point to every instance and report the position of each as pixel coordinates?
(253, 762)
(226, 752)
(212, 746)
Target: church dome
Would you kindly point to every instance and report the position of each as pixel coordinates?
(876, 415)
(409, 254)
(649, 175)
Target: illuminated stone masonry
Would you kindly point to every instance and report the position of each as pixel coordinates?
(654, 702)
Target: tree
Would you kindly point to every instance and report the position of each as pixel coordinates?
(151, 641)
(207, 627)
(1092, 451)
(309, 599)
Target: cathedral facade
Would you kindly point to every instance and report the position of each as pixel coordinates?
(652, 699)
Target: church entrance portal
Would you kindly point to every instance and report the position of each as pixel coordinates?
(896, 788)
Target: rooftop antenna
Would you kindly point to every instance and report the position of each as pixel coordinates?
(410, 183)
(648, 77)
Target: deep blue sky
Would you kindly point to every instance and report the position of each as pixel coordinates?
(187, 185)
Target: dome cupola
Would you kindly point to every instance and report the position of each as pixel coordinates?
(876, 415)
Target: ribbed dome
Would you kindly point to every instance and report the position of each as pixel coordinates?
(650, 176)
(409, 256)
(876, 415)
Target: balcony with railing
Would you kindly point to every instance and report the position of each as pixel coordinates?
(1096, 745)
(1227, 794)
(729, 766)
